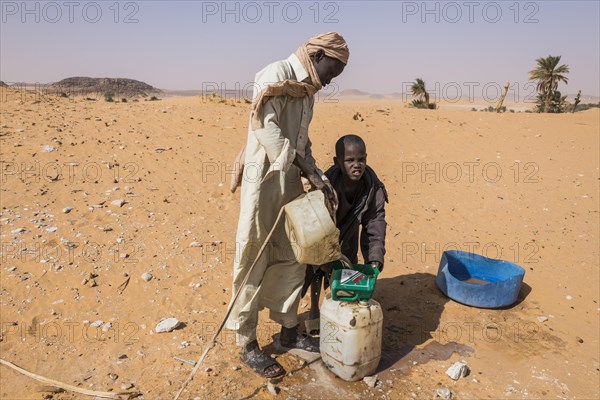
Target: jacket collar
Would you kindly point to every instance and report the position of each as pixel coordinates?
(299, 70)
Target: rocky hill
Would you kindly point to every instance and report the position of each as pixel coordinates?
(117, 87)
(2, 84)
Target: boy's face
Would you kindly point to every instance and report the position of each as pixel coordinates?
(354, 162)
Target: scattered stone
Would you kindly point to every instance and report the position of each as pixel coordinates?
(167, 325)
(458, 370)
(47, 148)
(195, 244)
(580, 340)
(52, 229)
(11, 269)
(207, 369)
(236, 368)
(67, 210)
(371, 381)
(118, 202)
(106, 327)
(147, 276)
(97, 323)
(444, 393)
(272, 389)
(126, 386)
(112, 376)
(18, 230)
(569, 297)
(542, 318)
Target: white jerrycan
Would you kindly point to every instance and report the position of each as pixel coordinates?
(312, 233)
(351, 337)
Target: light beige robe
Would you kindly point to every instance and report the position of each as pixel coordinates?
(270, 181)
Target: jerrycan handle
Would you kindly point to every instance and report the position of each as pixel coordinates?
(375, 270)
(346, 298)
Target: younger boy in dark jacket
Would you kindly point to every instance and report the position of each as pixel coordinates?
(362, 197)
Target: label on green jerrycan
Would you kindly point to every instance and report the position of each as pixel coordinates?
(354, 278)
(353, 284)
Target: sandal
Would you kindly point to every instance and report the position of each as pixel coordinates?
(261, 363)
(291, 339)
(312, 326)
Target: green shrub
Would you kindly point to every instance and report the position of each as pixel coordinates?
(420, 103)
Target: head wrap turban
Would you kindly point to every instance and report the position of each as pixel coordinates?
(332, 44)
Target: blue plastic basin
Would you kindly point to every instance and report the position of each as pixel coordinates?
(479, 281)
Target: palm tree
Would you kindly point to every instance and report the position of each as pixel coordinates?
(418, 90)
(548, 74)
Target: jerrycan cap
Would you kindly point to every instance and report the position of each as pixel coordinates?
(363, 303)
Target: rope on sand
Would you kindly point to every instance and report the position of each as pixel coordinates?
(65, 386)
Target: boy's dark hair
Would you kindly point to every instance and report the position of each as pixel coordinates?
(348, 139)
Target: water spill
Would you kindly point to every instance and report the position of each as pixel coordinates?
(404, 359)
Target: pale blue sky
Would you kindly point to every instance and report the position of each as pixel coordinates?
(189, 44)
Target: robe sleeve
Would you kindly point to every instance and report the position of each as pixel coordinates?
(278, 148)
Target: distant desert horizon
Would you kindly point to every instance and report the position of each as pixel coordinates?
(448, 92)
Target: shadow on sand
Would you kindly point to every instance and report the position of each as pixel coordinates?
(412, 306)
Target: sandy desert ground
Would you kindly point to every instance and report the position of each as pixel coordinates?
(75, 308)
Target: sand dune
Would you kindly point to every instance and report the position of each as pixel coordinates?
(146, 184)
